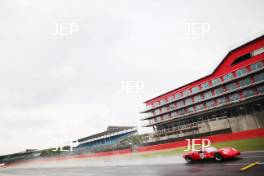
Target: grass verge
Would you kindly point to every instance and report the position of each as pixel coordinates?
(254, 144)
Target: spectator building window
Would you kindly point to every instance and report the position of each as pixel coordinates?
(164, 109)
(188, 101)
(256, 66)
(162, 102)
(205, 85)
(180, 104)
(210, 104)
(197, 98)
(208, 94)
(221, 100)
(259, 77)
(219, 91)
(190, 109)
(177, 96)
(195, 89)
(260, 89)
(171, 98)
(165, 117)
(234, 97)
(157, 111)
(186, 92)
(248, 93)
(231, 86)
(174, 114)
(181, 111)
(199, 106)
(156, 104)
(228, 76)
(172, 106)
(241, 72)
(244, 82)
(216, 81)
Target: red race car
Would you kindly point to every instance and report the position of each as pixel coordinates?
(211, 153)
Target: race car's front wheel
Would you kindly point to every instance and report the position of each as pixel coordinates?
(218, 157)
(188, 159)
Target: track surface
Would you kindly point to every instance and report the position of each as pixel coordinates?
(230, 167)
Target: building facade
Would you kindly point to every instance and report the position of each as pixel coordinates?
(230, 99)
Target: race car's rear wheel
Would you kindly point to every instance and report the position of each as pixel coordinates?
(188, 159)
(218, 157)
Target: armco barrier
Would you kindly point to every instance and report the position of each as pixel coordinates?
(216, 138)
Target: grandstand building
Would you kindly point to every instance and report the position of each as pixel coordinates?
(230, 99)
(109, 139)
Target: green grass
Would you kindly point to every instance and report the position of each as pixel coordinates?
(243, 145)
(254, 144)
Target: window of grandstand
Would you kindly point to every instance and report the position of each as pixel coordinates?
(219, 91)
(174, 114)
(151, 121)
(162, 102)
(231, 86)
(216, 81)
(205, 85)
(242, 58)
(186, 92)
(234, 97)
(157, 111)
(158, 119)
(199, 106)
(156, 104)
(164, 109)
(190, 109)
(171, 98)
(150, 114)
(177, 96)
(244, 82)
(259, 77)
(228, 76)
(165, 117)
(172, 106)
(188, 101)
(197, 98)
(180, 103)
(208, 94)
(221, 100)
(241, 72)
(260, 89)
(195, 89)
(248, 93)
(210, 103)
(181, 111)
(258, 51)
(256, 66)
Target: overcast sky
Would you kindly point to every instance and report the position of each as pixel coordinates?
(70, 86)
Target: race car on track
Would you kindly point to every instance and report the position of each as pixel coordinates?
(211, 153)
